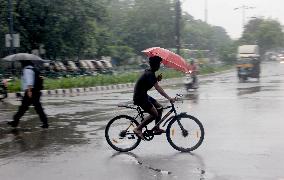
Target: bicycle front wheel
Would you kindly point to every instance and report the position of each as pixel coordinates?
(185, 133)
(119, 133)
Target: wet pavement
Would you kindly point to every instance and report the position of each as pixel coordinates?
(243, 135)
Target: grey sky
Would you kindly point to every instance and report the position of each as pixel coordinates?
(222, 13)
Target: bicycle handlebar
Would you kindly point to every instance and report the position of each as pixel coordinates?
(172, 104)
(178, 96)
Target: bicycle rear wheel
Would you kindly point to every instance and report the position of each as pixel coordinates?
(119, 133)
(185, 133)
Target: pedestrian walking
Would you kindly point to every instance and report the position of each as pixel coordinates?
(31, 84)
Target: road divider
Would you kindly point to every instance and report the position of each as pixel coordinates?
(77, 90)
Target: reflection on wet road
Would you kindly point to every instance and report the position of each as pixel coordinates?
(243, 135)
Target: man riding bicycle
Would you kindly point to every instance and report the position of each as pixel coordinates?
(146, 81)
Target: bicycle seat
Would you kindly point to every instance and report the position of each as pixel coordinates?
(130, 106)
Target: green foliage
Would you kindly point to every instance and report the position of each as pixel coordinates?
(121, 53)
(200, 35)
(100, 80)
(267, 33)
(228, 54)
(14, 86)
(66, 28)
(149, 24)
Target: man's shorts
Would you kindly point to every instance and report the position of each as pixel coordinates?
(146, 104)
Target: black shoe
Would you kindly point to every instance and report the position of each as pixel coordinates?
(13, 123)
(44, 126)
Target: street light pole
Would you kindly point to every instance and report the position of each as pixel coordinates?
(206, 11)
(244, 8)
(11, 29)
(177, 26)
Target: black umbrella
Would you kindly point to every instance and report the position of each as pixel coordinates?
(22, 57)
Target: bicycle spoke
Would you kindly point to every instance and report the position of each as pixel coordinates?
(185, 134)
(119, 133)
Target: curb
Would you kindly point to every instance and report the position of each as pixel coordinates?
(77, 90)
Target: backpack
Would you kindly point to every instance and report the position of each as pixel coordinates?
(38, 82)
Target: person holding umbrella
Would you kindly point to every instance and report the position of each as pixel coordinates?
(148, 80)
(31, 85)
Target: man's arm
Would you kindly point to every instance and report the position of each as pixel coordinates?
(163, 93)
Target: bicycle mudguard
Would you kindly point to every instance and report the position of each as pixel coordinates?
(183, 114)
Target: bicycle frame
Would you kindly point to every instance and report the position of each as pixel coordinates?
(141, 114)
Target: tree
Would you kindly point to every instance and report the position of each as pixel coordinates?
(197, 34)
(149, 23)
(267, 33)
(3, 26)
(76, 29)
(201, 35)
(67, 28)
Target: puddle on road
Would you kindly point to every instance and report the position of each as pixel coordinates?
(255, 89)
(74, 121)
(65, 131)
(248, 90)
(170, 166)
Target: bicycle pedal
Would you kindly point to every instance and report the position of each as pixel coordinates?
(131, 137)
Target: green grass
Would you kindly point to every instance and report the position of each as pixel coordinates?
(100, 80)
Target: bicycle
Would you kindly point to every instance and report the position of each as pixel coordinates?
(184, 132)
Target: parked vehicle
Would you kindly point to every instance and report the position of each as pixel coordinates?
(90, 65)
(82, 65)
(87, 67)
(106, 64)
(72, 66)
(99, 66)
(108, 69)
(248, 62)
(54, 69)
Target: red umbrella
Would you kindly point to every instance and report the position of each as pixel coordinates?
(170, 59)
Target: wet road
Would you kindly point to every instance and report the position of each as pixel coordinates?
(243, 135)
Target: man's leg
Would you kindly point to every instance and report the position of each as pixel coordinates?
(26, 102)
(39, 109)
(159, 108)
(153, 115)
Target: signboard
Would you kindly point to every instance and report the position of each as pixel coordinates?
(16, 40)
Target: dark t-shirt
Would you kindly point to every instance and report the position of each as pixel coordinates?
(146, 81)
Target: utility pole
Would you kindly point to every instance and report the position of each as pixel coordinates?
(177, 26)
(205, 11)
(243, 8)
(11, 24)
